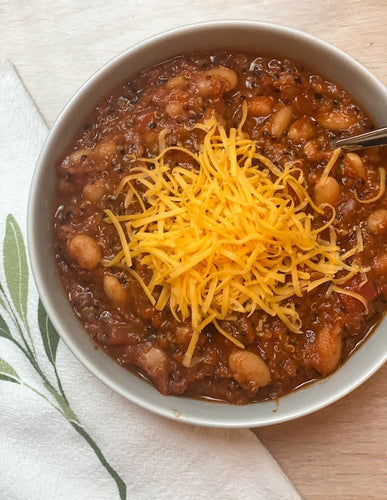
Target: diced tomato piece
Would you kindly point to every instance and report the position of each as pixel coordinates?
(353, 307)
(144, 121)
(368, 291)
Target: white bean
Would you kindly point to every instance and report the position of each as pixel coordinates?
(336, 120)
(216, 81)
(302, 129)
(154, 362)
(260, 106)
(103, 153)
(85, 250)
(79, 154)
(281, 121)
(328, 349)
(353, 165)
(114, 290)
(249, 369)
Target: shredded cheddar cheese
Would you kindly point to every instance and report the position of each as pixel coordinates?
(237, 234)
(382, 188)
(330, 165)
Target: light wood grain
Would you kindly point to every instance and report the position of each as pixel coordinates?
(55, 48)
(339, 452)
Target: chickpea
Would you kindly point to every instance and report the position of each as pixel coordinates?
(174, 108)
(302, 129)
(94, 191)
(85, 250)
(216, 81)
(281, 121)
(249, 369)
(260, 106)
(377, 221)
(114, 290)
(353, 166)
(176, 82)
(327, 350)
(327, 192)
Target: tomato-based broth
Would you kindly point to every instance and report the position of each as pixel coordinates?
(211, 239)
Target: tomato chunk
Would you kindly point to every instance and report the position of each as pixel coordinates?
(353, 307)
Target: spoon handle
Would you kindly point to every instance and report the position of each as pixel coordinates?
(374, 138)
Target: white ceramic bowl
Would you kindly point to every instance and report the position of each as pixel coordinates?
(251, 36)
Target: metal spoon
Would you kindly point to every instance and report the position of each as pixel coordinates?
(374, 138)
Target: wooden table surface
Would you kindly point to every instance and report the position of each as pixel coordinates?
(339, 452)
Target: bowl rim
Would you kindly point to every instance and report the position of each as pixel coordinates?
(235, 416)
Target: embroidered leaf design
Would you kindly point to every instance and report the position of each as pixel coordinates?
(118, 480)
(2, 303)
(8, 373)
(49, 335)
(16, 273)
(4, 329)
(63, 404)
(15, 266)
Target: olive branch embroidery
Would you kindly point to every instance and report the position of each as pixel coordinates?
(14, 304)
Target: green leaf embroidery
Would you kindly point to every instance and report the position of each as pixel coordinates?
(8, 373)
(8, 379)
(64, 406)
(15, 266)
(49, 335)
(119, 482)
(4, 329)
(16, 273)
(2, 303)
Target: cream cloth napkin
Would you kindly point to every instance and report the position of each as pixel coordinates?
(63, 434)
